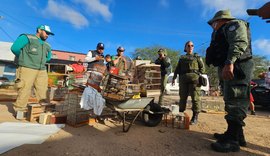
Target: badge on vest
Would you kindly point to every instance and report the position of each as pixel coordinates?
(34, 49)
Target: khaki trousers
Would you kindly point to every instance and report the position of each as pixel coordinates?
(26, 78)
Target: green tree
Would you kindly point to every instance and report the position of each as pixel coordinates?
(150, 53)
(260, 65)
(212, 73)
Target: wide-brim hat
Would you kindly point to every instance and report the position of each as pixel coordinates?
(45, 28)
(222, 14)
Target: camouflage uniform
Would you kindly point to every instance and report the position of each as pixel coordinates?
(121, 65)
(165, 68)
(189, 67)
(233, 38)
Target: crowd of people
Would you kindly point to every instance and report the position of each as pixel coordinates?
(229, 51)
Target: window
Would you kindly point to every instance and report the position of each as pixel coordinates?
(71, 58)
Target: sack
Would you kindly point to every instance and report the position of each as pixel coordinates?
(202, 81)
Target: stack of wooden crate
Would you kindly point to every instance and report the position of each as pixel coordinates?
(115, 87)
(119, 88)
(35, 109)
(149, 76)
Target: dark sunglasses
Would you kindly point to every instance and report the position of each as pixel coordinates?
(190, 45)
(46, 32)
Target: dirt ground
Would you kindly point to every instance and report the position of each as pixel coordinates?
(108, 139)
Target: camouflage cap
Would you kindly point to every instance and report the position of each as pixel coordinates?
(222, 14)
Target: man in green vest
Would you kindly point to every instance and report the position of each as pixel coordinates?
(32, 52)
(230, 51)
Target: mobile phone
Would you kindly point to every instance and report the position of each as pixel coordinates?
(252, 12)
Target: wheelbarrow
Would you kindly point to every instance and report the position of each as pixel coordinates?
(150, 112)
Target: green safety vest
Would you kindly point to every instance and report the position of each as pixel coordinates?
(34, 54)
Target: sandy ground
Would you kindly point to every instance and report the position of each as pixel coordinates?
(108, 139)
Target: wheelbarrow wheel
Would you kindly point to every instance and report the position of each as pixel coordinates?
(152, 119)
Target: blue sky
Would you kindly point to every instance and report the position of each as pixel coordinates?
(80, 24)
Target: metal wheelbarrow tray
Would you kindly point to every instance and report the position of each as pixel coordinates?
(151, 112)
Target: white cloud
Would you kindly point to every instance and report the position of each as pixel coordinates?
(65, 13)
(237, 7)
(164, 3)
(96, 7)
(262, 46)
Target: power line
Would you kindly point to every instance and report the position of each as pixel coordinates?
(21, 22)
(16, 19)
(7, 34)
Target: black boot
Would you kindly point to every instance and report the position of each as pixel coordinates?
(229, 142)
(242, 140)
(241, 137)
(194, 119)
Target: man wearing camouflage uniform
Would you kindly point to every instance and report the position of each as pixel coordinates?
(165, 67)
(230, 51)
(189, 67)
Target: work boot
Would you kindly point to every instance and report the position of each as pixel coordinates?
(241, 137)
(229, 141)
(194, 119)
(226, 146)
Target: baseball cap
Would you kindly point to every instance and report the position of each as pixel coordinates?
(45, 28)
(122, 49)
(100, 45)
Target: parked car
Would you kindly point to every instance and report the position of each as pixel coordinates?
(175, 88)
(5, 83)
(261, 94)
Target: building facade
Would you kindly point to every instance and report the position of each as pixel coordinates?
(57, 64)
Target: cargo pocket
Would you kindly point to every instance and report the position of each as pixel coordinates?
(19, 84)
(238, 92)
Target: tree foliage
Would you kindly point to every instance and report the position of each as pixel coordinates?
(260, 65)
(150, 53)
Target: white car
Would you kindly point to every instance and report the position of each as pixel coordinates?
(175, 88)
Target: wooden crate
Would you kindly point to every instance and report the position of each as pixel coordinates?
(115, 87)
(149, 76)
(58, 119)
(35, 109)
